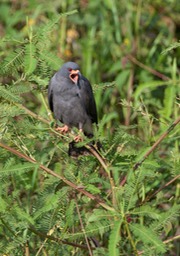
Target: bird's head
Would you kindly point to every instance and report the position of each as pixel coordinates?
(71, 70)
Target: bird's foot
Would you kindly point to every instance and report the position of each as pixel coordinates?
(79, 137)
(63, 129)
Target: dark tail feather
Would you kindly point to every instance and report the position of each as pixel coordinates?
(75, 151)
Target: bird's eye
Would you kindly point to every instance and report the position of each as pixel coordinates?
(70, 69)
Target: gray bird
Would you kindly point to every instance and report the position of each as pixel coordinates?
(71, 100)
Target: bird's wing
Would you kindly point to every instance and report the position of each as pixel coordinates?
(88, 99)
(50, 96)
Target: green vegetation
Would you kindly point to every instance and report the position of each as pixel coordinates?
(124, 200)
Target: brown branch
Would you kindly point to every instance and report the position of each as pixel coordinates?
(129, 96)
(49, 171)
(171, 239)
(102, 161)
(161, 188)
(27, 253)
(98, 156)
(151, 70)
(154, 146)
(32, 114)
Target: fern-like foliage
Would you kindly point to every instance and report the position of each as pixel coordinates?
(114, 239)
(8, 95)
(149, 239)
(13, 62)
(166, 218)
(30, 62)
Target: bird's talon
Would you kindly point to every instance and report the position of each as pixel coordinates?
(63, 129)
(78, 138)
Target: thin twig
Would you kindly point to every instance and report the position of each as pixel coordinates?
(130, 238)
(151, 70)
(50, 232)
(129, 96)
(32, 114)
(27, 253)
(46, 107)
(161, 188)
(171, 239)
(56, 239)
(154, 146)
(99, 157)
(83, 230)
(109, 172)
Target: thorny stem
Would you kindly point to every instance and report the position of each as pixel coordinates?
(99, 158)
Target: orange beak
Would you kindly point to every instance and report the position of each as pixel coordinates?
(74, 75)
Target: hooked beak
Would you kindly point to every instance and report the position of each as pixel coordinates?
(74, 75)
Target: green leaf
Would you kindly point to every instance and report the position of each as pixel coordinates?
(97, 214)
(70, 213)
(53, 61)
(30, 61)
(147, 210)
(17, 169)
(13, 61)
(166, 218)
(148, 237)
(171, 47)
(8, 95)
(93, 189)
(24, 215)
(3, 205)
(114, 239)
